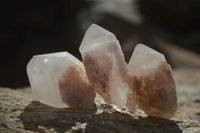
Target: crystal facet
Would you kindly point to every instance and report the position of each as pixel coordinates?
(153, 82)
(106, 68)
(59, 80)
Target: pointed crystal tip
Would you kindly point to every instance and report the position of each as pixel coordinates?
(95, 35)
(143, 58)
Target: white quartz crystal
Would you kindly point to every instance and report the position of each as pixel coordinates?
(153, 82)
(50, 77)
(106, 68)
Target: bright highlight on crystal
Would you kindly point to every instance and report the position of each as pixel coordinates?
(61, 80)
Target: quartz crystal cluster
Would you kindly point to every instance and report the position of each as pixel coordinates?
(61, 80)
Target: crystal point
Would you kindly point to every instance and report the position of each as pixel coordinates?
(106, 68)
(95, 35)
(59, 80)
(153, 82)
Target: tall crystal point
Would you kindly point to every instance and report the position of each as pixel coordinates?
(153, 82)
(59, 80)
(106, 68)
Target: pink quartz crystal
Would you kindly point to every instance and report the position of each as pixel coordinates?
(153, 82)
(59, 80)
(106, 68)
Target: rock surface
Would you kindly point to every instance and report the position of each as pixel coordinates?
(20, 113)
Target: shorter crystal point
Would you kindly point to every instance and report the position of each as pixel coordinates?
(59, 80)
(153, 82)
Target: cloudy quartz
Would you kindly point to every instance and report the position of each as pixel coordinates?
(153, 82)
(106, 68)
(59, 80)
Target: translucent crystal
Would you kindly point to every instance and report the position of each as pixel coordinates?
(153, 82)
(106, 68)
(59, 80)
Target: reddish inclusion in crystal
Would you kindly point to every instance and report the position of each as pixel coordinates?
(156, 97)
(98, 73)
(74, 88)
